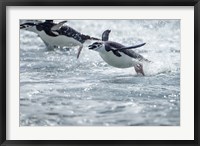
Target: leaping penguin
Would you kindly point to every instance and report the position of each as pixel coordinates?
(118, 55)
(54, 34)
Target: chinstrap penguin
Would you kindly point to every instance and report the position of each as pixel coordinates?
(57, 34)
(118, 55)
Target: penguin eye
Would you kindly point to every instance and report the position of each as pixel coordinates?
(24, 26)
(96, 43)
(28, 26)
(99, 45)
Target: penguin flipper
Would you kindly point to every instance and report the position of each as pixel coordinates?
(58, 26)
(108, 47)
(135, 55)
(116, 53)
(105, 35)
(132, 47)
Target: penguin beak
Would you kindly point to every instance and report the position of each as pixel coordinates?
(27, 25)
(22, 26)
(91, 47)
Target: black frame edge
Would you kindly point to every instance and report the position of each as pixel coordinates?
(196, 82)
(3, 77)
(101, 2)
(197, 71)
(3, 141)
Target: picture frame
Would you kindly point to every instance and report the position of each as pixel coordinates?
(3, 108)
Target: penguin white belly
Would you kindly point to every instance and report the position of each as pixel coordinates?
(120, 62)
(62, 41)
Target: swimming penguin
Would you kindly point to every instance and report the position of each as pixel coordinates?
(118, 55)
(54, 34)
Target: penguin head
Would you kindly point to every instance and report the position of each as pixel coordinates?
(97, 46)
(30, 26)
(37, 26)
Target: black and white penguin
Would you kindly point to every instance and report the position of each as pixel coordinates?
(118, 55)
(54, 34)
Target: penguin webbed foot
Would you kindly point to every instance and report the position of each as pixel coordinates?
(79, 51)
(139, 69)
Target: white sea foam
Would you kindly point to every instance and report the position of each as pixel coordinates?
(57, 89)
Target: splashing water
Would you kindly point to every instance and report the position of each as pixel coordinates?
(56, 89)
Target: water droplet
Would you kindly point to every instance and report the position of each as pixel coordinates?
(172, 100)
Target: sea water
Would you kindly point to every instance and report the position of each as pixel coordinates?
(57, 89)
